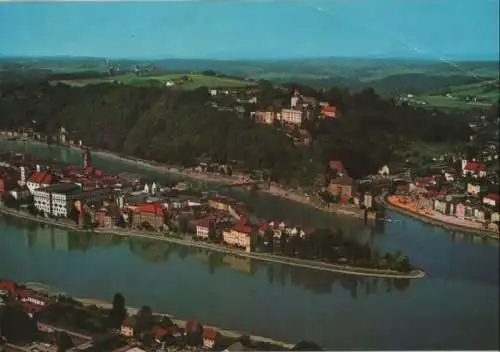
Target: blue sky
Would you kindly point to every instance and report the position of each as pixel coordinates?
(423, 29)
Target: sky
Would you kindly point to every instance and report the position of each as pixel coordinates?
(265, 29)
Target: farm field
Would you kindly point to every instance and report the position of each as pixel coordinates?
(465, 96)
(180, 81)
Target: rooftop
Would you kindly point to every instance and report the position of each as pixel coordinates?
(65, 188)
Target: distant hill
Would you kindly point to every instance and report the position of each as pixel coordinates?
(463, 96)
(389, 77)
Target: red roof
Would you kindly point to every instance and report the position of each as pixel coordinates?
(209, 333)
(474, 166)
(493, 196)
(158, 331)
(242, 228)
(152, 208)
(204, 223)
(337, 165)
(263, 227)
(41, 178)
(8, 285)
(329, 110)
(192, 325)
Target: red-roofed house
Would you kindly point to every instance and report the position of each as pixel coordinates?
(239, 236)
(329, 111)
(32, 302)
(128, 326)
(150, 213)
(210, 336)
(473, 168)
(39, 179)
(263, 228)
(337, 166)
(491, 199)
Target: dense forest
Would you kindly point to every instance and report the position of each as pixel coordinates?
(180, 126)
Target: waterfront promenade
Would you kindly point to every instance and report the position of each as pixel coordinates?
(447, 222)
(309, 264)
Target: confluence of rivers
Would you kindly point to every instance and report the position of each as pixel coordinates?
(454, 307)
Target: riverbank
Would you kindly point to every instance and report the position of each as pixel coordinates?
(102, 304)
(182, 322)
(431, 220)
(309, 264)
(274, 189)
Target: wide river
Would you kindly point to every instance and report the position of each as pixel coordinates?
(455, 307)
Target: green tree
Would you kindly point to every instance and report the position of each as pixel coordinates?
(118, 312)
(144, 320)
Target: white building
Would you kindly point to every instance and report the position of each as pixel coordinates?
(56, 200)
(291, 116)
(22, 180)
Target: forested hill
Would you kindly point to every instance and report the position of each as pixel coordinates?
(179, 127)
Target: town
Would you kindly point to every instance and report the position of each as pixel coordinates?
(32, 320)
(86, 198)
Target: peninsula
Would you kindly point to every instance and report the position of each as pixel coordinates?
(87, 199)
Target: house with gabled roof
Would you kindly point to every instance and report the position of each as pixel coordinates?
(40, 179)
(473, 168)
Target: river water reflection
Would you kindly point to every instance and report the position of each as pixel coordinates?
(455, 307)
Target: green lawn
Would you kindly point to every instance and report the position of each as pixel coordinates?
(194, 81)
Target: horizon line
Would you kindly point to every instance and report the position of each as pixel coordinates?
(479, 58)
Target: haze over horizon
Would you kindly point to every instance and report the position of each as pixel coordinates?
(433, 30)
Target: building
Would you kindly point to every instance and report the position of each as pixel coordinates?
(149, 213)
(203, 228)
(20, 193)
(219, 203)
(491, 199)
(40, 179)
(473, 168)
(295, 99)
(460, 210)
(291, 116)
(267, 116)
(238, 236)
(210, 336)
(107, 217)
(475, 189)
(342, 186)
(32, 302)
(57, 199)
(127, 328)
(8, 182)
(329, 111)
(368, 200)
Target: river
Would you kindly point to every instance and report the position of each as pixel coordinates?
(455, 307)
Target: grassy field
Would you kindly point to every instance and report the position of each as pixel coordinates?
(193, 81)
(486, 94)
